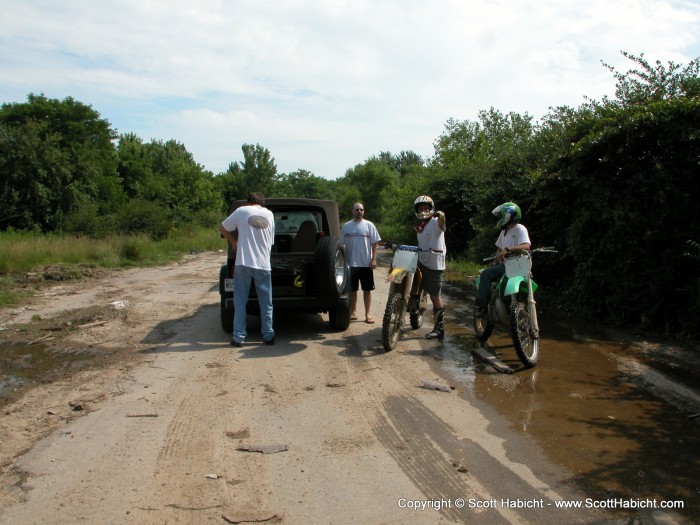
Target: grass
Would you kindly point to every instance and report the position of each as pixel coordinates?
(459, 271)
(25, 253)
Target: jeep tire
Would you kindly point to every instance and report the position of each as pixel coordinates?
(339, 317)
(331, 268)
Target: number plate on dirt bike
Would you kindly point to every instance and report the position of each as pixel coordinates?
(518, 266)
(228, 285)
(406, 260)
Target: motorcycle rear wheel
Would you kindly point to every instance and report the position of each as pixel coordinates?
(483, 327)
(393, 320)
(526, 345)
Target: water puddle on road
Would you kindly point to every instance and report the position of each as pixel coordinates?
(588, 410)
(24, 364)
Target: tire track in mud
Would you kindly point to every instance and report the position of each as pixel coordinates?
(392, 420)
(180, 427)
(203, 379)
(431, 454)
(179, 490)
(424, 464)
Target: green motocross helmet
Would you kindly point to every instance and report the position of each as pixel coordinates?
(507, 212)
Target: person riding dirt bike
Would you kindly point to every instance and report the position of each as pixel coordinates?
(431, 239)
(513, 236)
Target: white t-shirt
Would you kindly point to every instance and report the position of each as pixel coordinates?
(516, 235)
(432, 237)
(256, 235)
(358, 237)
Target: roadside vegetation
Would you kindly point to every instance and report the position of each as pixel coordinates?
(612, 184)
(27, 259)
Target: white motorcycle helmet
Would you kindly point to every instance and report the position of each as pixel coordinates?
(424, 199)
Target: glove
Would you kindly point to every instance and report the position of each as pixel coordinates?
(440, 214)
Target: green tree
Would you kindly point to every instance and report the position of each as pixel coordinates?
(303, 183)
(620, 195)
(397, 224)
(476, 166)
(628, 189)
(54, 155)
(402, 162)
(257, 172)
(166, 174)
(134, 164)
(372, 183)
(653, 83)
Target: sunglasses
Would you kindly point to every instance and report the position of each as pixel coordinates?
(359, 209)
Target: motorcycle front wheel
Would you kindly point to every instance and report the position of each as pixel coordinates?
(393, 319)
(483, 327)
(526, 345)
(418, 316)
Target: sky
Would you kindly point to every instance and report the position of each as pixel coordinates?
(326, 84)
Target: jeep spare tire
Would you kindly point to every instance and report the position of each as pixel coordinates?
(330, 268)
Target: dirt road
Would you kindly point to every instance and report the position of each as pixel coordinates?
(170, 424)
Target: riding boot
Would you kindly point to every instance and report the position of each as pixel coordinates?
(438, 331)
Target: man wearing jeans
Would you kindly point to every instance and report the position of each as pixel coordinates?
(256, 234)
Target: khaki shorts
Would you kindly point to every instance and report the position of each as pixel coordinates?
(432, 280)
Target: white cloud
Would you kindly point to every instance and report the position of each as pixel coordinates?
(324, 84)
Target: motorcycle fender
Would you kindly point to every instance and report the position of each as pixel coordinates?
(515, 284)
(397, 275)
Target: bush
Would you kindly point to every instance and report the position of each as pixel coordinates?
(88, 221)
(143, 216)
(131, 250)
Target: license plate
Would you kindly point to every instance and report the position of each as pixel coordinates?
(228, 285)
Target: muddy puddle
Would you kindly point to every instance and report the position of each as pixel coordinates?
(593, 406)
(44, 350)
(23, 365)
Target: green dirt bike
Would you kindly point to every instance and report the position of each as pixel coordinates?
(405, 293)
(513, 303)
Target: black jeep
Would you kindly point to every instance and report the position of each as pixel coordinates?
(309, 270)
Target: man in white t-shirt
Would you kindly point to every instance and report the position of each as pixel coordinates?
(360, 237)
(513, 236)
(431, 236)
(256, 234)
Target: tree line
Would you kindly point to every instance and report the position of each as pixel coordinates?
(613, 184)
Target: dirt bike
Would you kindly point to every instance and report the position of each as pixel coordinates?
(405, 293)
(513, 303)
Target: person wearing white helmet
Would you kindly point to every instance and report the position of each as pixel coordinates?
(513, 236)
(431, 236)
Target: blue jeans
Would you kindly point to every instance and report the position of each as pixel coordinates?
(243, 277)
(486, 277)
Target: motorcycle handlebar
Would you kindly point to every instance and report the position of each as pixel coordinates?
(544, 249)
(406, 247)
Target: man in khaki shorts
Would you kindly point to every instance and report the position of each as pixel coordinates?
(431, 236)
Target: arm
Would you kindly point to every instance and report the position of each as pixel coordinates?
(373, 262)
(502, 253)
(441, 219)
(227, 235)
